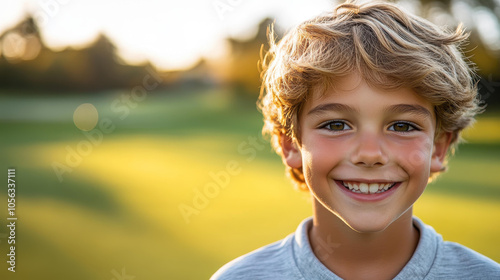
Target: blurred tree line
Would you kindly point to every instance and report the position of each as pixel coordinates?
(26, 63)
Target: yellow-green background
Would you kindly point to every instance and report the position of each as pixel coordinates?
(117, 213)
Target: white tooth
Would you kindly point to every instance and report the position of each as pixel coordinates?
(373, 188)
(363, 187)
(356, 187)
(386, 186)
(350, 186)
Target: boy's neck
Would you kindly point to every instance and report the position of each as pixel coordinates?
(353, 255)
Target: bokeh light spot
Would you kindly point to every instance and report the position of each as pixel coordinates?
(13, 45)
(85, 117)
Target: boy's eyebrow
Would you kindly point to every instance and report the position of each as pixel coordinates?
(409, 108)
(331, 107)
(398, 108)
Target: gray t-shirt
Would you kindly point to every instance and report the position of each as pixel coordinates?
(293, 258)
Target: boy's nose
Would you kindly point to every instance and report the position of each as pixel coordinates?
(369, 151)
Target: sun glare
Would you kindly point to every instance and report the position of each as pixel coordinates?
(171, 34)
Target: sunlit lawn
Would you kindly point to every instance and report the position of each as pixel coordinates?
(117, 212)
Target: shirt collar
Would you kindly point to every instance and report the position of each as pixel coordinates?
(311, 267)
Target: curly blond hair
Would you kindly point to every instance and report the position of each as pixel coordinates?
(388, 47)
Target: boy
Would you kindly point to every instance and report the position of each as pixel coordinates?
(363, 105)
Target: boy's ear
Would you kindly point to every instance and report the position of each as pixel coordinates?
(291, 153)
(440, 149)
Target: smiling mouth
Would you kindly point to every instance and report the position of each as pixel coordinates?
(367, 188)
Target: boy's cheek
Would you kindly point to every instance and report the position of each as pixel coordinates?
(323, 156)
(414, 158)
(327, 150)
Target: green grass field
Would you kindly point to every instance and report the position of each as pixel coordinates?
(117, 211)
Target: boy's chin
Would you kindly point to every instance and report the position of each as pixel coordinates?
(363, 220)
(366, 228)
(366, 224)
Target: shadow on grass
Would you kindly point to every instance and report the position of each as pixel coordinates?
(457, 187)
(144, 249)
(480, 150)
(41, 184)
(474, 172)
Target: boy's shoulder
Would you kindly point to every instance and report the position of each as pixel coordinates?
(263, 263)
(271, 261)
(438, 259)
(293, 258)
(460, 261)
(274, 261)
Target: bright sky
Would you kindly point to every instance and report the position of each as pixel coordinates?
(174, 34)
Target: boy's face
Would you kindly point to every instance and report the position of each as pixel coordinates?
(366, 153)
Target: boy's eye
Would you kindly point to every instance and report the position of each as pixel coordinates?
(402, 127)
(336, 126)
